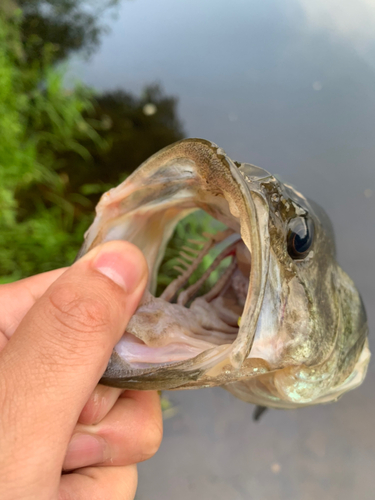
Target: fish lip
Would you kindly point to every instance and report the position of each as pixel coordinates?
(242, 345)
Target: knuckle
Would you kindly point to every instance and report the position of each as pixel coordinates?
(77, 313)
(151, 438)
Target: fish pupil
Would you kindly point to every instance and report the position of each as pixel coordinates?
(300, 237)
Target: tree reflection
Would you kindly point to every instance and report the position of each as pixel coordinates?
(131, 133)
(68, 25)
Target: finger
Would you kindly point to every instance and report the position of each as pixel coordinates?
(130, 433)
(18, 297)
(99, 404)
(104, 483)
(52, 363)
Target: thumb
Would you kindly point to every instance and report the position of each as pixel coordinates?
(54, 360)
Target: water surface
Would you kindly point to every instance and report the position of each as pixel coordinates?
(288, 86)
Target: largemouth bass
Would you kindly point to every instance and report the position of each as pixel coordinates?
(283, 326)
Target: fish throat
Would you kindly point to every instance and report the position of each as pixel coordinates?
(201, 306)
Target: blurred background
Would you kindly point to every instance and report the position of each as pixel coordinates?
(91, 88)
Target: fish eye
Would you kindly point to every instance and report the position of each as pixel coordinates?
(300, 237)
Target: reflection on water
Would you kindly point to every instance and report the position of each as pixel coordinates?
(289, 86)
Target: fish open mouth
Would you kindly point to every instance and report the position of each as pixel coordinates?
(208, 312)
(199, 309)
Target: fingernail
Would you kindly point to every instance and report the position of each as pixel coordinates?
(84, 450)
(126, 270)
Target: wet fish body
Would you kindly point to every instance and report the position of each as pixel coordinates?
(283, 326)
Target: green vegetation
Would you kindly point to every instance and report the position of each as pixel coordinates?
(60, 149)
(39, 120)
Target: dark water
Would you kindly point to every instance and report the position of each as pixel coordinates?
(289, 86)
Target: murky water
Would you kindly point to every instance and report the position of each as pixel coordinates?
(289, 86)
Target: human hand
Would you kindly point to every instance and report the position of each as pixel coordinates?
(57, 331)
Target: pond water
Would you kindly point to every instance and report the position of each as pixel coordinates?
(288, 86)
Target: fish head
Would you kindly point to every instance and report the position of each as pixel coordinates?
(312, 328)
(281, 312)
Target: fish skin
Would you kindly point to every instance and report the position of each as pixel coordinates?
(303, 333)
